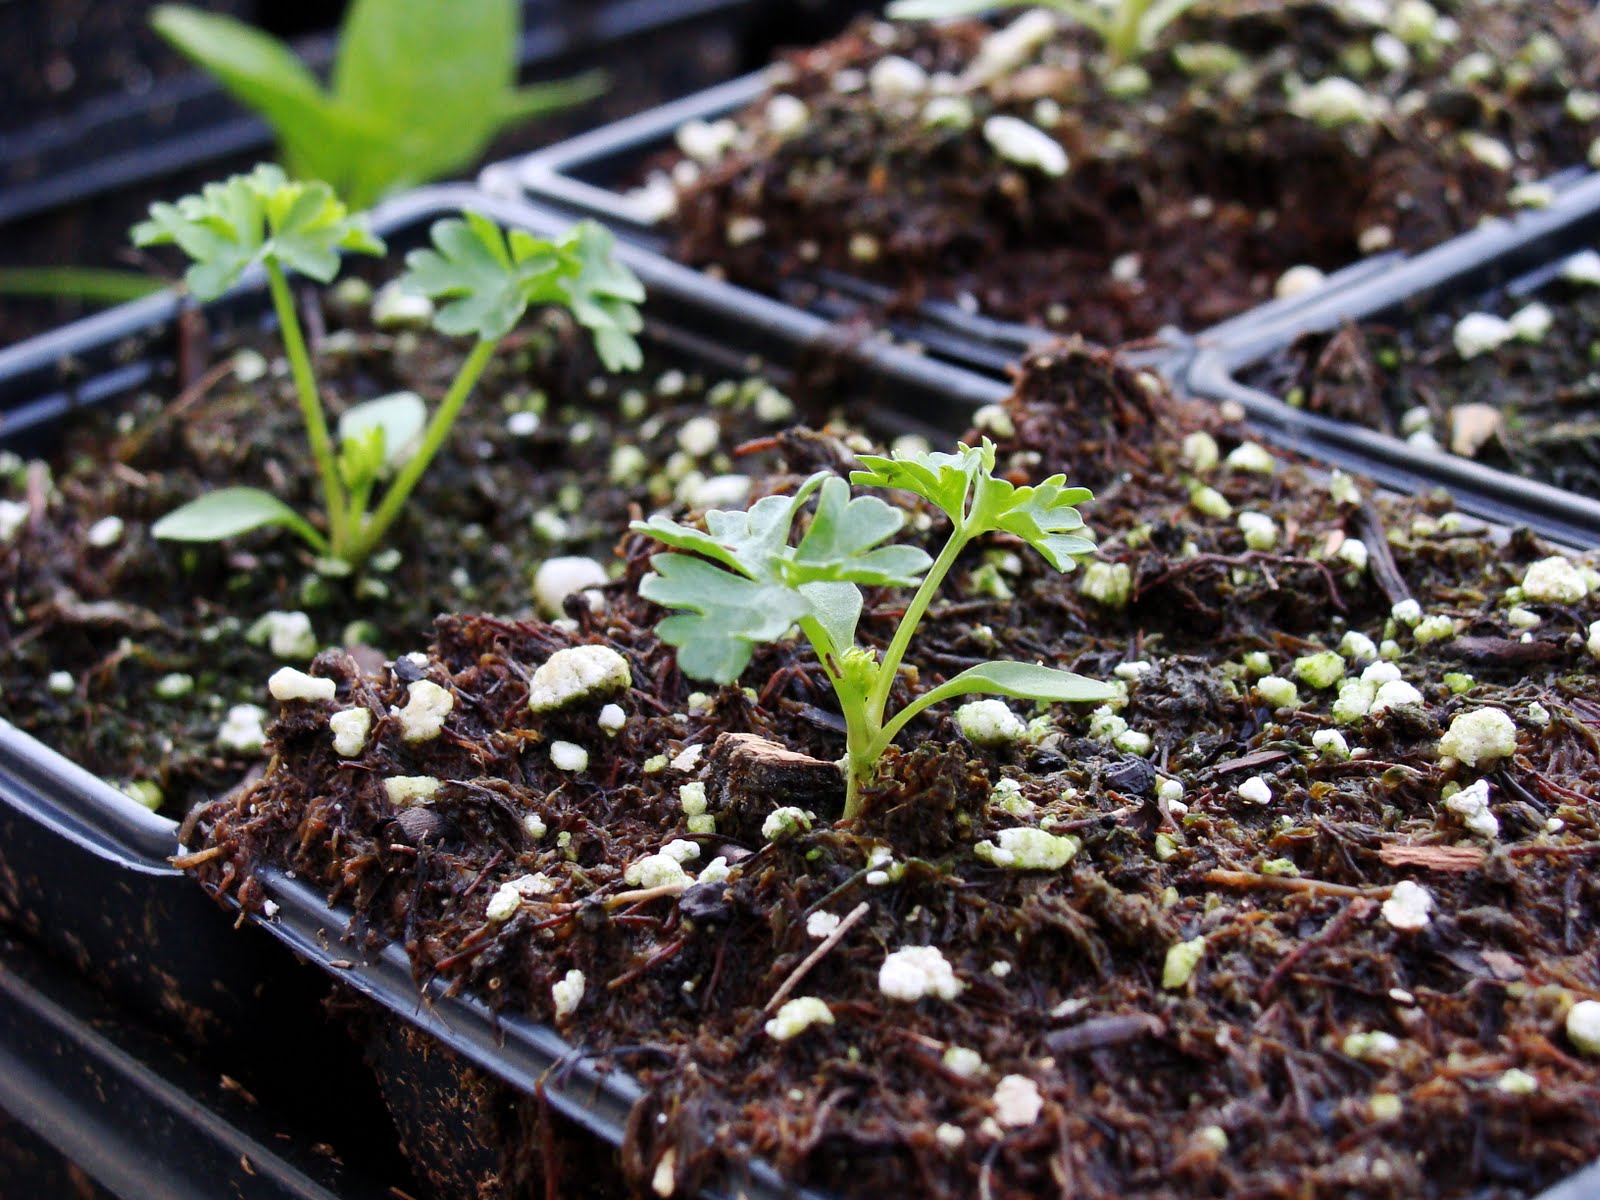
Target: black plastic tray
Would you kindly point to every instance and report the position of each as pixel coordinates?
(188, 121)
(99, 1098)
(1489, 257)
(586, 175)
(723, 326)
(86, 863)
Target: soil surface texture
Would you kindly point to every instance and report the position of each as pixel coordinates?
(1115, 198)
(1507, 378)
(1314, 939)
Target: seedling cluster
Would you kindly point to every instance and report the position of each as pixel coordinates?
(741, 584)
(489, 279)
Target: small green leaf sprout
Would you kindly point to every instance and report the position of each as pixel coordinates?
(1127, 28)
(489, 281)
(742, 584)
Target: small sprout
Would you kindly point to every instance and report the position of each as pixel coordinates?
(1480, 738)
(786, 822)
(1016, 141)
(655, 870)
(913, 972)
(1471, 804)
(569, 757)
(567, 993)
(1554, 580)
(1017, 1102)
(486, 281)
(350, 729)
(427, 705)
(1409, 907)
(796, 1016)
(288, 684)
(1583, 1026)
(752, 586)
(1255, 790)
(578, 674)
(1181, 961)
(1028, 849)
(243, 731)
(404, 791)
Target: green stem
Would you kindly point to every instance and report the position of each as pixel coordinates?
(362, 542)
(859, 728)
(909, 622)
(305, 386)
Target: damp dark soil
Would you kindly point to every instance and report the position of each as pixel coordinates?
(1077, 1057)
(1529, 405)
(1188, 192)
(126, 654)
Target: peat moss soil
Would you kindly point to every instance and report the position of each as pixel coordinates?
(1183, 202)
(126, 654)
(1235, 1081)
(1531, 407)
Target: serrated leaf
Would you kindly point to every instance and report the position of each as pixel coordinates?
(722, 616)
(259, 217)
(944, 480)
(398, 418)
(603, 296)
(229, 512)
(1044, 516)
(751, 541)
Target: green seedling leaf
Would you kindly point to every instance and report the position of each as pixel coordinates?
(604, 295)
(420, 87)
(751, 541)
(259, 217)
(1044, 516)
(944, 480)
(267, 76)
(490, 280)
(229, 512)
(839, 544)
(837, 608)
(396, 419)
(1027, 681)
(726, 615)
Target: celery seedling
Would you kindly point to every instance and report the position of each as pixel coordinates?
(1128, 28)
(756, 586)
(489, 283)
